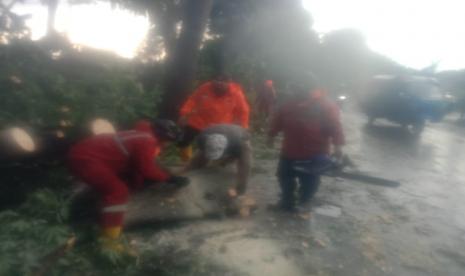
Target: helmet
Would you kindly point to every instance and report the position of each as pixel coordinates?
(166, 129)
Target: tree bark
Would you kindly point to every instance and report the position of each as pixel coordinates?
(52, 6)
(183, 62)
(165, 15)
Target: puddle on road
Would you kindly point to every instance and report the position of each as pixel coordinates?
(231, 245)
(328, 211)
(253, 256)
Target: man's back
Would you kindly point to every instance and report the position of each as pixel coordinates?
(115, 150)
(307, 127)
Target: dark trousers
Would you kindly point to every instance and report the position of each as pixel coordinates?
(289, 179)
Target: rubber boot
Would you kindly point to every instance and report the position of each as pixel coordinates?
(111, 232)
(110, 239)
(186, 153)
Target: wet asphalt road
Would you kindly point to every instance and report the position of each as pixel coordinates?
(415, 229)
(419, 227)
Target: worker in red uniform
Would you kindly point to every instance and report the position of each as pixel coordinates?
(111, 164)
(264, 103)
(219, 101)
(310, 124)
(266, 97)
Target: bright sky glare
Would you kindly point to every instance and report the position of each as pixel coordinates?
(98, 26)
(412, 32)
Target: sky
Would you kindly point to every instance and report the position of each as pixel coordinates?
(415, 33)
(98, 26)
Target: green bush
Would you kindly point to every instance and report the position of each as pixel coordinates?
(31, 232)
(51, 89)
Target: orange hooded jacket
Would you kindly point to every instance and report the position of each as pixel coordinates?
(204, 108)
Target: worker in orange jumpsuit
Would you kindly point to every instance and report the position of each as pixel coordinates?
(219, 101)
(110, 164)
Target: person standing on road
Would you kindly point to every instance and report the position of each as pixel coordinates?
(266, 97)
(219, 101)
(264, 103)
(310, 123)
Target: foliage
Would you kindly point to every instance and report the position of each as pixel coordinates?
(32, 233)
(12, 26)
(274, 39)
(275, 35)
(66, 88)
(165, 17)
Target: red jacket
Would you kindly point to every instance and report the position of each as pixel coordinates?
(204, 108)
(126, 153)
(266, 96)
(308, 127)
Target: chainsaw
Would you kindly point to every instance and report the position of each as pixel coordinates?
(335, 167)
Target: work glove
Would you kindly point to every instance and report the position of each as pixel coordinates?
(178, 181)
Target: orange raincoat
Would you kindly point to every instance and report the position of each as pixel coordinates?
(204, 108)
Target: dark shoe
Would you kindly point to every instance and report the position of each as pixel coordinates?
(280, 207)
(304, 207)
(303, 210)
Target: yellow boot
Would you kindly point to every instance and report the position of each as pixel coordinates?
(110, 239)
(186, 153)
(111, 232)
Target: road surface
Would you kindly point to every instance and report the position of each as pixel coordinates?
(354, 229)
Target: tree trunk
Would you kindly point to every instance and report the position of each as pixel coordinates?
(164, 16)
(182, 63)
(52, 6)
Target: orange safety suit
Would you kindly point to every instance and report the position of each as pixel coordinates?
(204, 108)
